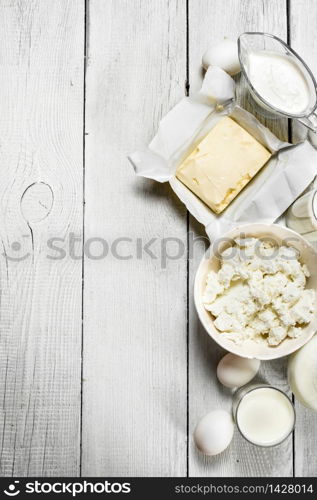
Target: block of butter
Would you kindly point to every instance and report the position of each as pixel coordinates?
(222, 164)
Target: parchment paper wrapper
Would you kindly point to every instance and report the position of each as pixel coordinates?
(287, 174)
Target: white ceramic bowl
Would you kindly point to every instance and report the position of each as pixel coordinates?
(250, 348)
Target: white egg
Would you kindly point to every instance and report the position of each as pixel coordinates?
(224, 55)
(234, 371)
(214, 432)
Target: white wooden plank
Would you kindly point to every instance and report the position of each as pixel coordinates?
(210, 21)
(134, 392)
(41, 81)
(303, 19)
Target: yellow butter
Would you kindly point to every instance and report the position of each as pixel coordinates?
(222, 164)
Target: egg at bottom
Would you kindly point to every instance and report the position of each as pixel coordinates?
(235, 371)
(214, 432)
(224, 55)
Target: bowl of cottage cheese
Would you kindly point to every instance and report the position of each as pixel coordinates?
(256, 291)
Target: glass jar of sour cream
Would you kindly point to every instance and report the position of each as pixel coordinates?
(264, 415)
(278, 79)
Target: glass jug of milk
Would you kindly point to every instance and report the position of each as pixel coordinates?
(302, 215)
(278, 79)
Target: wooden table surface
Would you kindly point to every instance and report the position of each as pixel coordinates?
(105, 369)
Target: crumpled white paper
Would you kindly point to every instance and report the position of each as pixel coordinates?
(287, 174)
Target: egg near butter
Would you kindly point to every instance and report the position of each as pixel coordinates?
(214, 432)
(224, 55)
(235, 371)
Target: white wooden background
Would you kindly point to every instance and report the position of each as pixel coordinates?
(105, 369)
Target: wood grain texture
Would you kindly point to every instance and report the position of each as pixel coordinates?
(134, 385)
(303, 19)
(134, 391)
(41, 121)
(210, 21)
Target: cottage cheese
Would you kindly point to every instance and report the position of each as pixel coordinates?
(259, 292)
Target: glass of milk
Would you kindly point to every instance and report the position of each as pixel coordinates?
(264, 415)
(302, 215)
(278, 79)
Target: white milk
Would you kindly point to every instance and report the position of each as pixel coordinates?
(302, 215)
(302, 374)
(265, 416)
(279, 80)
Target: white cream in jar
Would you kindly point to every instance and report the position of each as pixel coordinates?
(264, 415)
(279, 81)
